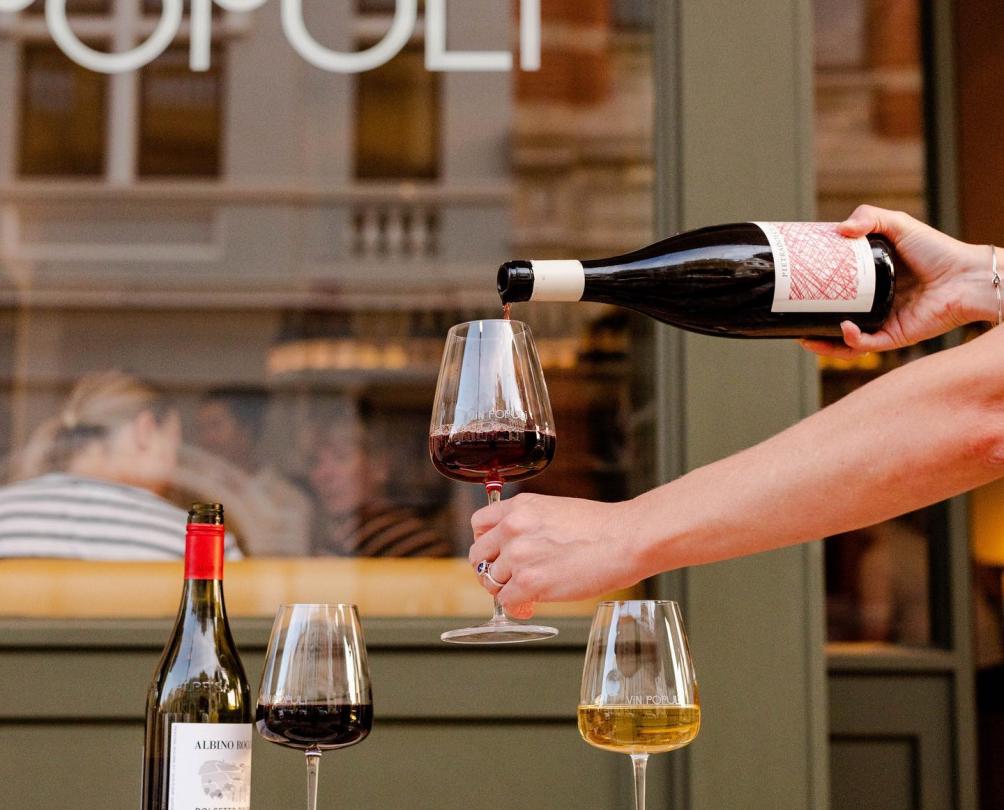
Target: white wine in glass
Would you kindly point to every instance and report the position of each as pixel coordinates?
(639, 691)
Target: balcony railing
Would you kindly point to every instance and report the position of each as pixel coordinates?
(162, 241)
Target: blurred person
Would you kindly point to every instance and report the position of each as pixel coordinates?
(88, 483)
(893, 585)
(270, 513)
(355, 518)
(927, 431)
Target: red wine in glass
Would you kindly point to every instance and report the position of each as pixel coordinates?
(315, 692)
(491, 425)
(491, 454)
(307, 726)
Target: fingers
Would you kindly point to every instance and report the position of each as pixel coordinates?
(862, 342)
(856, 343)
(523, 610)
(829, 348)
(489, 516)
(871, 219)
(501, 573)
(486, 547)
(516, 601)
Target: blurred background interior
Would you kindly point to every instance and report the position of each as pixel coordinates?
(281, 251)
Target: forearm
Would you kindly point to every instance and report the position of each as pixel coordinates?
(923, 433)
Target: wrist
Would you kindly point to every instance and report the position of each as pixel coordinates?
(977, 297)
(645, 543)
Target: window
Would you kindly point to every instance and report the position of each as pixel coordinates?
(870, 146)
(397, 120)
(79, 123)
(294, 313)
(180, 117)
(63, 113)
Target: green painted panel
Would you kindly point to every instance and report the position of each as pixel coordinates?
(402, 765)
(874, 773)
(86, 765)
(454, 728)
(736, 144)
(912, 708)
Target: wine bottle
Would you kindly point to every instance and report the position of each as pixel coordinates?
(199, 714)
(745, 280)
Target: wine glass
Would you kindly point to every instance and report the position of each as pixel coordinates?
(639, 691)
(315, 691)
(492, 425)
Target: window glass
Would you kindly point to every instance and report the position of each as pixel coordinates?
(62, 115)
(272, 339)
(180, 117)
(397, 120)
(870, 146)
(74, 7)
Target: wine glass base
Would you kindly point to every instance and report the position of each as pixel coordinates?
(499, 633)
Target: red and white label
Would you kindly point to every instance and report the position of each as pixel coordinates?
(816, 269)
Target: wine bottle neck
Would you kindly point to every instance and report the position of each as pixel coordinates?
(204, 552)
(202, 599)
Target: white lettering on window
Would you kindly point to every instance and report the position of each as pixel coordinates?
(402, 27)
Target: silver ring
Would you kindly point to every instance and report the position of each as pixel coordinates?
(485, 570)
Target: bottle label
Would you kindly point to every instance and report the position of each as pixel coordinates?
(558, 280)
(816, 269)
(210, 766)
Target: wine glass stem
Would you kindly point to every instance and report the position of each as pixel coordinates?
(498, 615)
(638, 762)
(313, 760)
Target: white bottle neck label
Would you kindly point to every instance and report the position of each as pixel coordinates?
(209, 766)
(558, 280)
(816, 269)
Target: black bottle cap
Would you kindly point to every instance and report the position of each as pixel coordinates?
(515, 281)
(206, 513)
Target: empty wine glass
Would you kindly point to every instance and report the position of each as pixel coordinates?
(639, 691)
(492, 425)
(315, 691)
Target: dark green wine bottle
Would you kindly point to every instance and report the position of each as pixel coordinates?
(744, 280)
(199, 715)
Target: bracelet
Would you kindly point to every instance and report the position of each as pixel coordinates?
(997, 284)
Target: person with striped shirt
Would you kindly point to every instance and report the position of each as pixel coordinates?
(87, 484)
(355, 518)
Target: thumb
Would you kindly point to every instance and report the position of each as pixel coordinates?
(862, 342)
(871, 219)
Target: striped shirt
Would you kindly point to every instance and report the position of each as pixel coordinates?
(70, 517)
(380, 531)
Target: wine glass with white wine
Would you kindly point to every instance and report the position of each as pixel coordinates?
(639, 691)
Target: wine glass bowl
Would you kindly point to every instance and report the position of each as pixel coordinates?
(492, 425)
(315, 690)
(639, 690)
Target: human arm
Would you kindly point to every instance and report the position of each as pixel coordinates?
(922, 433)
(941, 284)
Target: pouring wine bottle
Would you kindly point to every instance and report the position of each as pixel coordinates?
(199, 714)
(745, 280)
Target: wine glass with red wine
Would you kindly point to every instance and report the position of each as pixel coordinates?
(315, 691)
(492, 425)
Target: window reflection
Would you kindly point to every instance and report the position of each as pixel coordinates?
(180, 116)
(397, 120)
(74, 7)
(294, 309)
(870, 147)
(62, 115)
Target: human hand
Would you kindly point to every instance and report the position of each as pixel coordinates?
(947, 284)
(548, 549)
